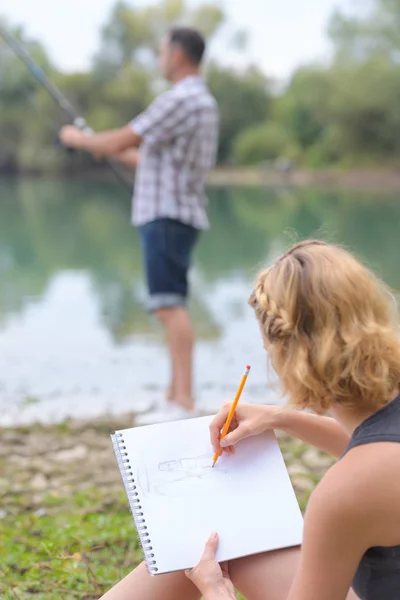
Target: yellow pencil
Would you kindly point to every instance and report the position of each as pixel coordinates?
(232, 412)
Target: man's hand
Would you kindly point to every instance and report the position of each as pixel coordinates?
(212, 579)
(72, 137)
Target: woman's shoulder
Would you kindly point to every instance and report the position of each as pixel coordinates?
(361, 470)
(360, 486)
(367, 465)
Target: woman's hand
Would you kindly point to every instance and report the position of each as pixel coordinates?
(211, 578)
(249, 420)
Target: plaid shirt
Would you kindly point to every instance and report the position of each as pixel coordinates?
(180, 137)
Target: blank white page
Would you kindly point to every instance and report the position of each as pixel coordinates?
(247, 497)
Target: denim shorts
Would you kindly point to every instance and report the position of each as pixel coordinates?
(167, 250)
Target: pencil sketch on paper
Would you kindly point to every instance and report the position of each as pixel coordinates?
(180, 477)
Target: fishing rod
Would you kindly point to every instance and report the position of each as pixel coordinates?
(59, 98)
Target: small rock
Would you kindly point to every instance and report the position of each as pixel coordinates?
(316, 460)
(296, 469)
(78, 453)
(17, 488)
(38, 482)
(45, 466)
(36, 500)
(302, 484)
(4, 485)
(21, 462)
(11, 437)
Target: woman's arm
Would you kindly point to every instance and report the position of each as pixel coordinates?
(323, 432)
(337, 533)
(252, 419)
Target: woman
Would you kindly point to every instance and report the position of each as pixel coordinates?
(331, 331)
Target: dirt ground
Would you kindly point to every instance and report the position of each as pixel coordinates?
(64, 459)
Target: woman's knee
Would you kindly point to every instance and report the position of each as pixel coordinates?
(267, 576)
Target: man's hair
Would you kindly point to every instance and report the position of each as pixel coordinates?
(190, 40)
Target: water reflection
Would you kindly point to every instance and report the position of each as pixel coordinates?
(74, 337)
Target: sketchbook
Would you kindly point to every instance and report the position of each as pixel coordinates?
(177, 499)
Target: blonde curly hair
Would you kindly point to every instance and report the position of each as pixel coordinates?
(331, 328)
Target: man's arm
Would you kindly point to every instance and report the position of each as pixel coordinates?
(129, 158)
(107, 143)
(167, 117)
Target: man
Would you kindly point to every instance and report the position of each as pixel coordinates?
(177, 136)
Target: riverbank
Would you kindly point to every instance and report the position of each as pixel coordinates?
(365, 180)
(65, 528)
(373, 179)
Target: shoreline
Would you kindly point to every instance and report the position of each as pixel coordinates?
(364, 180)
(75, 454)
(373, 179)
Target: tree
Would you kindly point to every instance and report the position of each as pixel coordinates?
(133, 35)
(262, 142)
(377, 32)
(366, 76)
(365, 108)
(304, 107)
(346, 113)
(244, 100)
(17, 96)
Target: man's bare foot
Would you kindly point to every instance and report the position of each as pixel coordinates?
(186, 403)
(173, 412)
(183, 401)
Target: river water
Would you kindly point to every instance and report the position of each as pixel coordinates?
(74, 337)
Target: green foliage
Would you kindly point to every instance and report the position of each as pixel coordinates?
(17, 92)
(134, 34)
(304, 107)
(344, 114)
(326, 149)
(243, 99)
(366, 109)
(259, 143)
(121, 85)
(376, 32)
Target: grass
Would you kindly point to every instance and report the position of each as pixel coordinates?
(69, 550)
(71, 535)
(73, 551)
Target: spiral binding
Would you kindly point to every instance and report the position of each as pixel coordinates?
(134, 501)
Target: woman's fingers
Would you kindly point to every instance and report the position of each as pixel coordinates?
(216, 425)
(240, 433)
(211, 547)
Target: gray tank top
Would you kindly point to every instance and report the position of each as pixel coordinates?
(378, 575)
